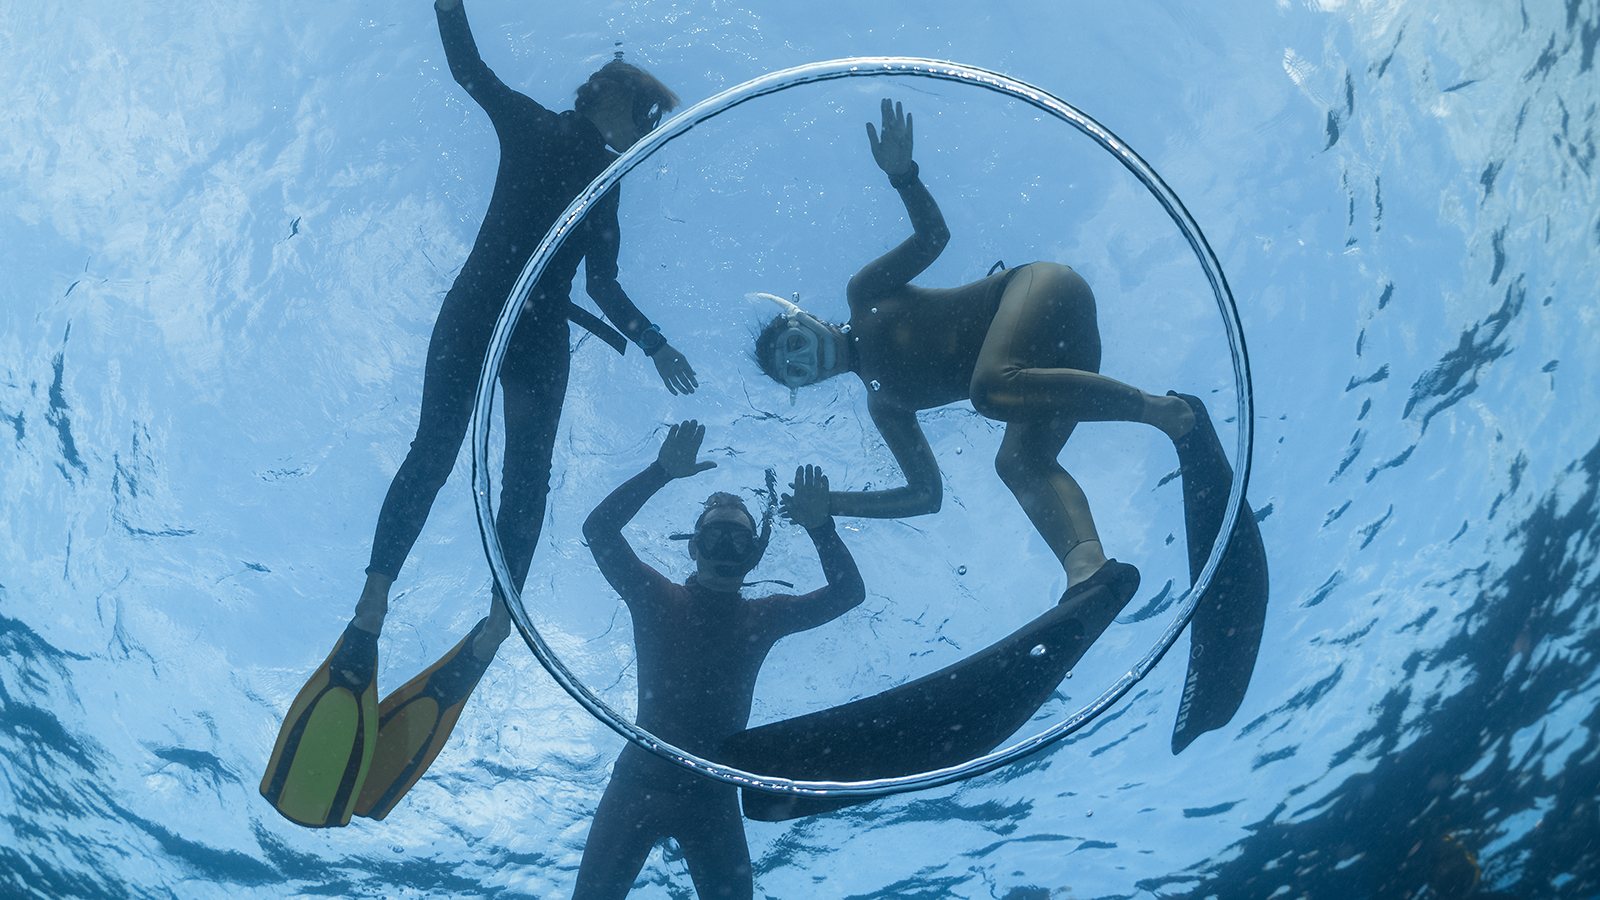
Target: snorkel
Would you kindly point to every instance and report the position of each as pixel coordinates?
(735, 564)
(796, 360)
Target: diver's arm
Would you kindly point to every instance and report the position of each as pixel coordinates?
(808, 507)
(628, 574)
(600, 280)
(929, 233)
(845, 589)
(924, 490)
(678, 458)
(905, 262)
(468, 68)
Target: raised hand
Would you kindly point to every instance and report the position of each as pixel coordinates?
(893, 153)
(675, 371)
(679, 450)
(808, 505)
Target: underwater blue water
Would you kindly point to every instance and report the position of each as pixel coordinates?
(227, 230)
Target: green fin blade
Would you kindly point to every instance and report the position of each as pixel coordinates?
(326, 745)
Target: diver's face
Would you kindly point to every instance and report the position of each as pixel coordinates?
(724, 543)
(620, 120)
(726, 534)
(805, 352)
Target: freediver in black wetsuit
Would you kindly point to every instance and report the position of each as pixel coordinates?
(1023, 345)
(352, 750)
(700, 646)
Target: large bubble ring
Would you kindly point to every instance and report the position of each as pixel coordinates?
(681, 124)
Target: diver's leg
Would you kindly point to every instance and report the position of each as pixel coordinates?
(1041, 357)
(711, 834)
(534, 385)
(1049, 495)
(620, 839)
(455, 357)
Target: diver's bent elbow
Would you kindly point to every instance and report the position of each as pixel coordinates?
(927, 503)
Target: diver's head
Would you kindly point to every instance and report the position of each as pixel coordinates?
(725, 544)
(798, 349)
(624, 101)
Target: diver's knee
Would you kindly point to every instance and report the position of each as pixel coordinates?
(1013, 467)
(990, 393)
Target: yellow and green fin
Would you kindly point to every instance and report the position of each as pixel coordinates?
(325, 748)
(414, 722)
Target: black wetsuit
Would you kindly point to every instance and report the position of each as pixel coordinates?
(699, 652)
(546, 159)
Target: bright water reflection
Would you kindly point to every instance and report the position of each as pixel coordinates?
(227, 230)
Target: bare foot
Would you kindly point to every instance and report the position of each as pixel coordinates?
(1170, 414)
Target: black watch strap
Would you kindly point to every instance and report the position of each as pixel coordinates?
(652, 340)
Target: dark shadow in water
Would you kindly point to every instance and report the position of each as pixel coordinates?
(1424, 813)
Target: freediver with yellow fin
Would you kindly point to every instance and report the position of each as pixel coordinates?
(339, 751)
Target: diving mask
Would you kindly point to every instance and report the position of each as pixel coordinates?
(726, 542)
(797, 359)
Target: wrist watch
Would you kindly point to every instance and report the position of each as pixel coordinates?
(651, 340)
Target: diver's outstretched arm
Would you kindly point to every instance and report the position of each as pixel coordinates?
(929, 235)
(631, 577)
(808, 508)
(466, 65)
(924, 490)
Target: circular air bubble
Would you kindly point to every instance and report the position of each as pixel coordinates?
(678, 126)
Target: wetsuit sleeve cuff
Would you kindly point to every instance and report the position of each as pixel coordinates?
(823, 530)
(905, 179)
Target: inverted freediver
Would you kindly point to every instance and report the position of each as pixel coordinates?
(1023, 345)
(699, 646)
(340, 752)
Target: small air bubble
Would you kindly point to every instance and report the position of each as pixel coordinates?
(1069, 674)
(845, 328)
(875, 384)
(962, 570)
(958, 451)
(874, 309)
(1038, 650)
(1088, 812)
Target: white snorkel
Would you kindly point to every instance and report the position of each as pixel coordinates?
(813, 334)
(789, 307)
